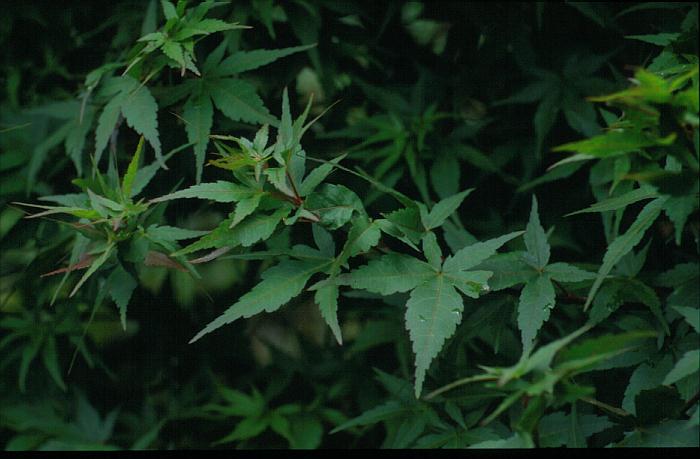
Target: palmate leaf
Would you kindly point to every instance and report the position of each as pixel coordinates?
(434, 310)
(280, 284)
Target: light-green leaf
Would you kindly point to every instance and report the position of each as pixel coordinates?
(615, 143)
(280, 284)
(130, 174)
(434, 310)
(219, 191)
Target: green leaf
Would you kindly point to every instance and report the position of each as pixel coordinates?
(536, 240)
(471, 283)
(279, 284)
(323, 240)
(198, 113)
(99, 261)
(431, 250)
(389, 410)
(555, 429)
(624, 243)
(168, 9)
(508, 269)
(443, 209)
(389, 274)
(564, 272)
(50, 359)
(121, 285)
(247, 428)
(434, 310)
(255, 228)
(474, 254)
(545, 116)
(105, 125)
(335, 204)
(327, 299)
(619, 202)
(244, 61)
(517, 440)
(238, 100)
(645, 377)
(678, 209)
(691, 315)
(245, 207)
(536, 302)
(601, 348)
(363, 235)
(444, 175)
(318, 175)
(659, 39)
(219, 191)
(172, 233)
(135, 102)
(146, 174)
(205, 27)
(28, 354)
(131, 170)
(686, 366)
(140, 111)
(667, 434)
(615, 143)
